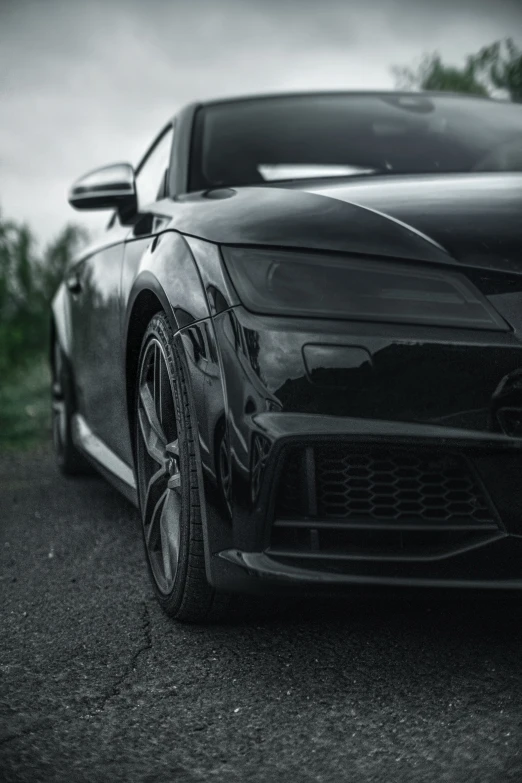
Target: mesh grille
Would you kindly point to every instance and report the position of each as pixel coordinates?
(339, 501)
(394, 485)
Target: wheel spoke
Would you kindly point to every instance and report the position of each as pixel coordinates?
(155, 487)
(153, 529)
(169, 527)
(151, 429)
(159, 466)
(172, 450)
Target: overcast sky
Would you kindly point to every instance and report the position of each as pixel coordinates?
(87, 83)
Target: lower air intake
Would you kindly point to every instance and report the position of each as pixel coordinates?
(390, 501)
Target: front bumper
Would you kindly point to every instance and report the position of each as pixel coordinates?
(413, 390)
(476, 546)
(496, 566)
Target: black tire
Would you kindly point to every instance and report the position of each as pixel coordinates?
(69, 460)
(169, 496)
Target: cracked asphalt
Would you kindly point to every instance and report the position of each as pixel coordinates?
(96, 684)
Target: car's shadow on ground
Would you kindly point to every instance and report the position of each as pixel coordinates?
(491, 617)
(437, 649)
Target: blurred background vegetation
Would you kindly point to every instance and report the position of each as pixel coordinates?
(495, 71)
(29, 276)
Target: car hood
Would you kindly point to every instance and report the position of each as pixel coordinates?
(476, 218)
(470, 219)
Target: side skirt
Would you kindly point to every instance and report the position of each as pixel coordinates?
(104, 459)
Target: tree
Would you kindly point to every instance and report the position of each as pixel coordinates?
(501, 62)
(494, 67)
(57, 256)
(432, 74)
(28, 281)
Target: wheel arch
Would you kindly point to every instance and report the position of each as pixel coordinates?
(147, 297)
(60, 317)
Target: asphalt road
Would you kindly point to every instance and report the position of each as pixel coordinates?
(96, 684)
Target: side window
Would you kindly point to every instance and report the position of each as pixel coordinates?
(151, 176)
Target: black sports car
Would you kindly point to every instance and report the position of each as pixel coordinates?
(297, 348)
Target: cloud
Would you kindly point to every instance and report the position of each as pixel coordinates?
(84, 83)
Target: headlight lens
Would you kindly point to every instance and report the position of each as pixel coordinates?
(293, 283)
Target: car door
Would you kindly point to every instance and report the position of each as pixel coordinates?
(95, 286)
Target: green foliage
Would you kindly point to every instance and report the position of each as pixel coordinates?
(28, 280)
(494, 67)
(25, 410)
(502, 64)
(432, 74)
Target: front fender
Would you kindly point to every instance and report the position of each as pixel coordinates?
(168, 278)
(158, 274)
(167, 269)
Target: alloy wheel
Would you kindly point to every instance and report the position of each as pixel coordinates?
(158, 466)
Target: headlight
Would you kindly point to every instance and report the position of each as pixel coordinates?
(293, 283)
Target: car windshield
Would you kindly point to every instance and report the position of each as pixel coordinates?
(256, 140)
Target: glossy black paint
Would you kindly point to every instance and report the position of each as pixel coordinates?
(264, 382)
(475, 217)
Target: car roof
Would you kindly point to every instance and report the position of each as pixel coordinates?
(333, 93)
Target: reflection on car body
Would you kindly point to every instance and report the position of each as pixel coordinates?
(312, 382)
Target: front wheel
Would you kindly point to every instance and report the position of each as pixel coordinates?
(168, 485)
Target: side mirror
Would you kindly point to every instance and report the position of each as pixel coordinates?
(111, 187)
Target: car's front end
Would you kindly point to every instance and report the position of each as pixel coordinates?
(371, 450)
(364, 369)
(319, 321)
